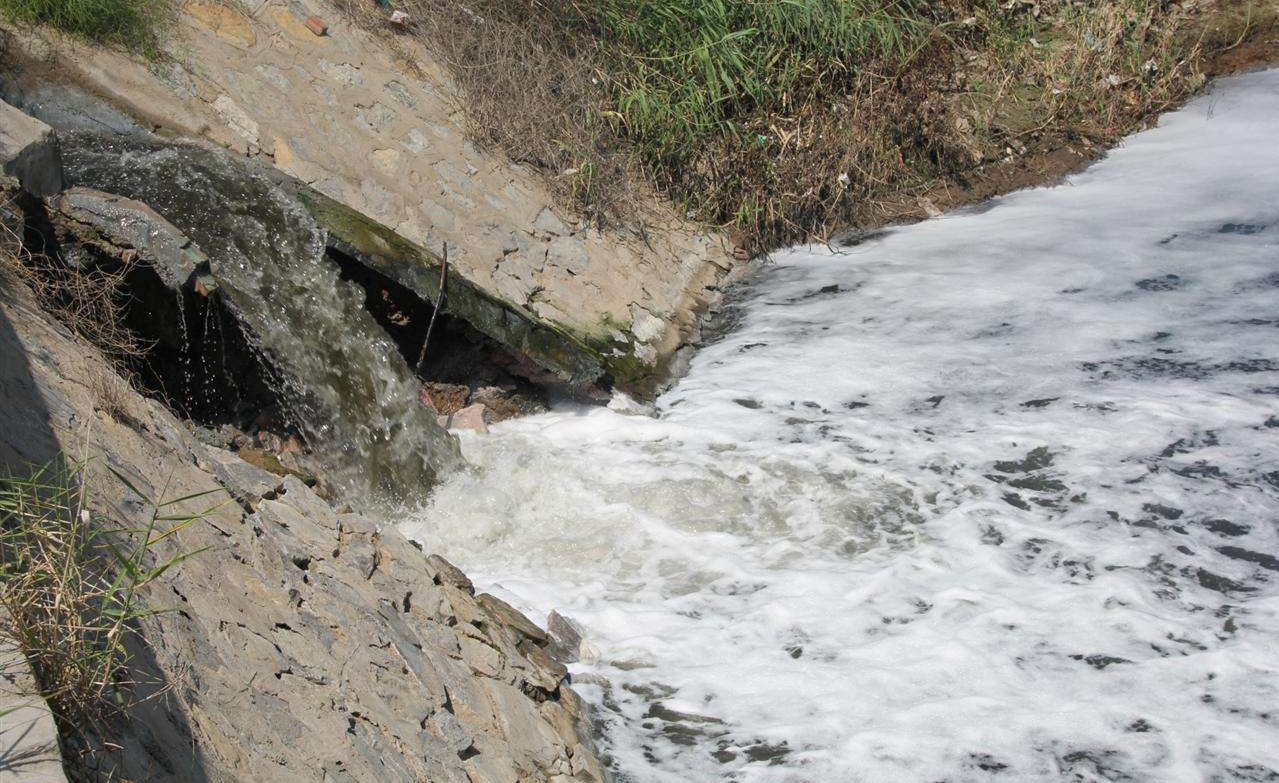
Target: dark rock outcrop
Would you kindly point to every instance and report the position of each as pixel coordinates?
(115, 224)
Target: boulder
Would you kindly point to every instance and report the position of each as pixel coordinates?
(115, 223)
(445, 398)
(267, 256)
(502, 403)
(469, 418)
(29, 152)
(445, 573)
(509, 616)
(245, 482)
(566, 638)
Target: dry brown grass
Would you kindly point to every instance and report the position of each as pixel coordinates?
(71, 582)
(980, 82)
(110, 393)
(527, 91)
(89, 300)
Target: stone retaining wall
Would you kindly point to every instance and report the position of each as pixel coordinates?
(376, 128)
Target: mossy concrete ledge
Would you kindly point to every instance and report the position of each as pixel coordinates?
(418, 268)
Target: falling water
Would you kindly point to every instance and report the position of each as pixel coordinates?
(346, 384)
(185, 375)
(988, 498)
(207, 387)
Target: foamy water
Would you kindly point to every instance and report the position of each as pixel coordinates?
(991, 497)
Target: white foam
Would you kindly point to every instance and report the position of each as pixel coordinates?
(1115, 617)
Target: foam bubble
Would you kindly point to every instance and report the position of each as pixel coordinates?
(991, 497)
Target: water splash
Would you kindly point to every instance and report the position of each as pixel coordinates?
(346, 384)
(988, 498)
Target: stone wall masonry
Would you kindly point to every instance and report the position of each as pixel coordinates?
(374, 125)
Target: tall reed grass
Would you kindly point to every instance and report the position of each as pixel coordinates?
(71, 582)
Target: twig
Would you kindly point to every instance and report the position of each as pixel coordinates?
(439, 302)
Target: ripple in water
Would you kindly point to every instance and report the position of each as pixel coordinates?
(989, 498)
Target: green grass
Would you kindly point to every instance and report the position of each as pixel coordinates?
(134, 25)
(782, 121)
(685, 70)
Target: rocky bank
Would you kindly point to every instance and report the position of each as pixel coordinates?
(286, 206)
(299, 642)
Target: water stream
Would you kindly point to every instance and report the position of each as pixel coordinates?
(346, 385)
(994, 497)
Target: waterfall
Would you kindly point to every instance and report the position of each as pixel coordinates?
(346, 386)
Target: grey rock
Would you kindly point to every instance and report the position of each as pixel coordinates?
(483, 658)
(447, 172)
(401, 94)
(548, 222)
(244, 482)
(546, 673)
(513, 288)
(275, 77)
(416, 141)
(569, 254)
(379, 117)
(309, 645)
(509, 616)
(28, 737)
(644, 325)
(126, 223)
(67, 106)
(449, 574)
(29, 152)
(343, 73)
(565, 637)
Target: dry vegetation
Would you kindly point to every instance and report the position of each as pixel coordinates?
(70, 585)
(530, 90)
(70, 579)
(89, 300)
(784, 120)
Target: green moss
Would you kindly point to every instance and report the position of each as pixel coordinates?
(624, 368)
(577, 357)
